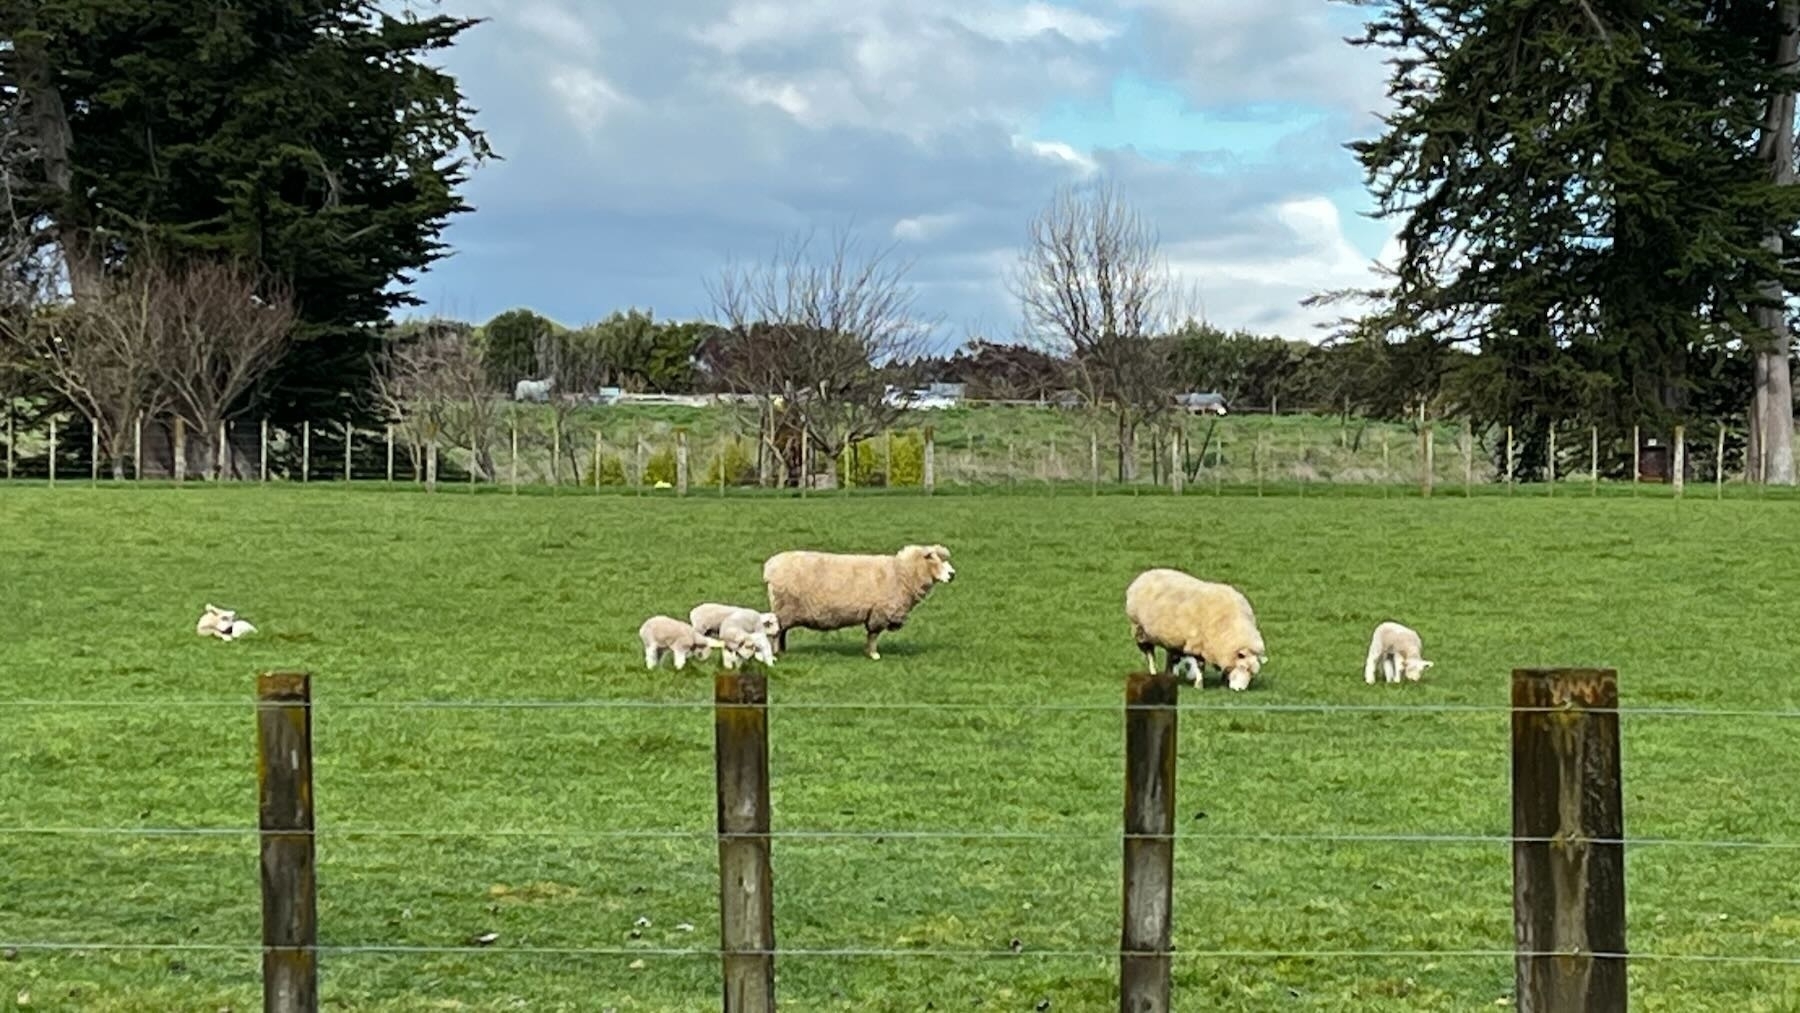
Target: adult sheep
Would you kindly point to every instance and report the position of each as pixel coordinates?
(1195, 619)
(832, 591)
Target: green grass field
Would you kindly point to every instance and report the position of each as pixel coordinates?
(392, 597)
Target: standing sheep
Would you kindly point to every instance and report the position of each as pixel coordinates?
(1198, 623)
(831, 591)
(713, 619)
(1398, 651)
(662, 634)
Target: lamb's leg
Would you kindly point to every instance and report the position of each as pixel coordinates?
(651, 656)
(1390, 666)
(680, 658)
(1374, 657)
(869, 646)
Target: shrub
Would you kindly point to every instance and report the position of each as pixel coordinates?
(870, 461)
(610, 472)
(736, 462)
(660, 467)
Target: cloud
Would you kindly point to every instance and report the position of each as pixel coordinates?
(646, 145)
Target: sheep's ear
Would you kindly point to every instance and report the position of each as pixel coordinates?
(1424, 665)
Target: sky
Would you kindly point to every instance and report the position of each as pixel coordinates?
(647, 144)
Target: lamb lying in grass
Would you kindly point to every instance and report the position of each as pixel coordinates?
(714, 620)
(222, 623)
(665, 635)
(1397, 650)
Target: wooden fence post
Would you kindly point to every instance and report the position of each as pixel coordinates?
(1568, 848)
(1149, 889)
(887, 460)
(1594, 459)
(9, 441)
(389, 436)
(1679, 476)
(1637, 451)
(555, 452)
(681, 462)
(1094, 460)
(180, 449)
(1468, 449)
(1509, 458)
(222, 461)
(930, 460)
(350, 443)
(515, 457)
(1551, 460)
(1387, 467)
(1176, 472)
(599, 449)
(290, 913)
(263, 452)
(746, 883)
(305, 451)
(94, 454)
(53, 451)
(1719, 466)
(137, 447)
(1428, 460)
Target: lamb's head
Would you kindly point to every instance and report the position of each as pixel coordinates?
(768, 623)
(1246, 664)
(935, 557)
(1415, 667)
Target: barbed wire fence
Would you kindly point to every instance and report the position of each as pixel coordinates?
(1021, 447)
(1567, 840)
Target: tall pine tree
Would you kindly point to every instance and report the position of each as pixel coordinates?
(311, 136)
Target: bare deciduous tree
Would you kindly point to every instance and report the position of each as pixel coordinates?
(434, 385)
(225, 327)
(816, 336)
(104, 353)
(1093, 286)
(571, 360)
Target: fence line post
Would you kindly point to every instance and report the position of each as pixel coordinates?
(1387, 466)
(1149, 872)
(1468, 449)
(290, 912)
(1552, 459)
(263, 453)
(1176, 474)
(515, 456)
(305, 450)
(94, 454)
(555, 452)
(722, 448)
(1594, 459)
(746, 882)
(221, 460)
(180, 448)
(930, 460)
(137, 447)
(1429, 460)
(9, 440)
(53, 451)
(350, 442)
(681, 462)
(887, 461)
(1568, 848)
(599, 447)
(1719, 466)
(1094, 460)
(849, 469)
(1637, 451)
(637, 458)
(389, 436)
(1680, 470)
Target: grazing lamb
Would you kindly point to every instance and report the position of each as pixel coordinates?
(662, 634)
(830, 591)
(712, 619)
(740, 647)
(1198, 623)
(1398, 651)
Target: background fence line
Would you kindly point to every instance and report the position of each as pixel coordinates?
(1567, 841)
(690, 450)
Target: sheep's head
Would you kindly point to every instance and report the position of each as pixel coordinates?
(1415, 667)
(936, 557)
(1246, 664)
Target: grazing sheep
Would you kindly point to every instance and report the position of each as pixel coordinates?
(1198, 623)
(1398, 651)
(712, 620)
(662, 634)
(831, 591)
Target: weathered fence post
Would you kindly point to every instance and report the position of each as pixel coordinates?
(350, 443)
(1637, 451)
(9, 441)
(1509, 458)
(305, 451)
(1594, 459)
(53, 451)
(1429, 460)
(599, 449)
(1387, 467)
(180, 449)
(1568, 848)
(887, 460)
(222, 462)
(1177, 474)
(746, 883)
(515, 457)
(1094, 461)
(555, 452)
(1551, 459)
(137, 447)
(263, 453)
(1679, 476)
(94, 454)
(1468, 449)
(681, 462)
(930, 460)
(1149, 893)
(388, 435)
(1719, 466)
(290, 915)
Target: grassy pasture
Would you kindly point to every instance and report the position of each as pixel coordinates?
(399, 596)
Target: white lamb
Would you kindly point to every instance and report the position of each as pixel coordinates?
(740, 647)
(1398, 651)
(713, 620)
(664, 635)
(1198, 623)
(222, 623)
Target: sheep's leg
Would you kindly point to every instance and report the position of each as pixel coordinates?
(869, 646)
(781, 641)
